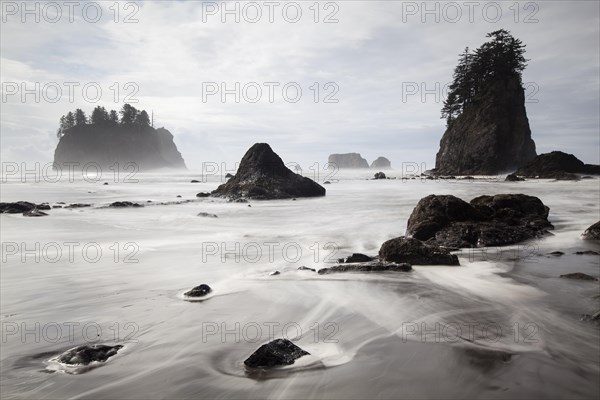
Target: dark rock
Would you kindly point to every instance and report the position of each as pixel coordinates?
(194, 181)
(589, 318)
(123, 204)
(56, 206)
(557, 253)
(304, 268)
(356, 257)
(203, 194)
(348, 160)
(587, 252)
(491, 135)
(579, 276)
(178, 196)
(78, 205)
(381, 163)
(375, 266)
(43, 206)
(262, 175)
(415, 252)
(105, 183)
(592, 233)
(17, 207)
(34, 213)
(205, 214)
(486, 221)
(274, 273)
(326, 183)
(557, 165)
(199, 291)
(144, 147)
(379, 175)
(83, 355)
(228, 176)
(513, 178)
(279, 352)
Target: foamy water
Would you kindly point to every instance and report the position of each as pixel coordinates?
(503, 324)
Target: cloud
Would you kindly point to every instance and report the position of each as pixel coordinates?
(371, 54)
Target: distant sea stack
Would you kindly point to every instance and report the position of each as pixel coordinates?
(262, 175)
(348, 160)
(487, 127)
(104, 140)
(381, 163)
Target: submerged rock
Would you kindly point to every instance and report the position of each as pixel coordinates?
(381, 163)
(486, 221)
(587, 252)
(593, 317)
(34, 213)
(557, 165)
(205, 214)
(262, 175)
(356, 257)
(579, 276)
(592, 233)
(277, 353)
(305, 268)
(85, 354)
(203, 194)
(415, 252)
(348, 160)
(123, 204)
(557, 253)
(513, 178)
(199, 291)
(376, 266)
(78, 205)
(194, 181)
(274, 273)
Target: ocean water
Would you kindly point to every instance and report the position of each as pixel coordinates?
(502, 325)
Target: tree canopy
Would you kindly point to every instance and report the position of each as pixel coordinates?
(100, 116)
(500, 58)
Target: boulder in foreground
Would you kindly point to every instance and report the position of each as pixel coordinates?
(497, 220)
(277, 353)
(262, 175)
(415, 252)
(83, 355)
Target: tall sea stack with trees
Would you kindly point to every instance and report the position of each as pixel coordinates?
(106, 139)
(487, 127)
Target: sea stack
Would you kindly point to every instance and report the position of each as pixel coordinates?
(262, 175)
(348, 160)
(381, 163)
(487, 127)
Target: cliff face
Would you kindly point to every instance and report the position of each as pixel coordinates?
(348, 160)
(491, 136)
(106, 145)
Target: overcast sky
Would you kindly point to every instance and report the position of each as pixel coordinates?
(376, 56)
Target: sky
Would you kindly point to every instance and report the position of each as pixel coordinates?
(364, 77)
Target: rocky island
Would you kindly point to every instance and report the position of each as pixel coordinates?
(107, 140)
